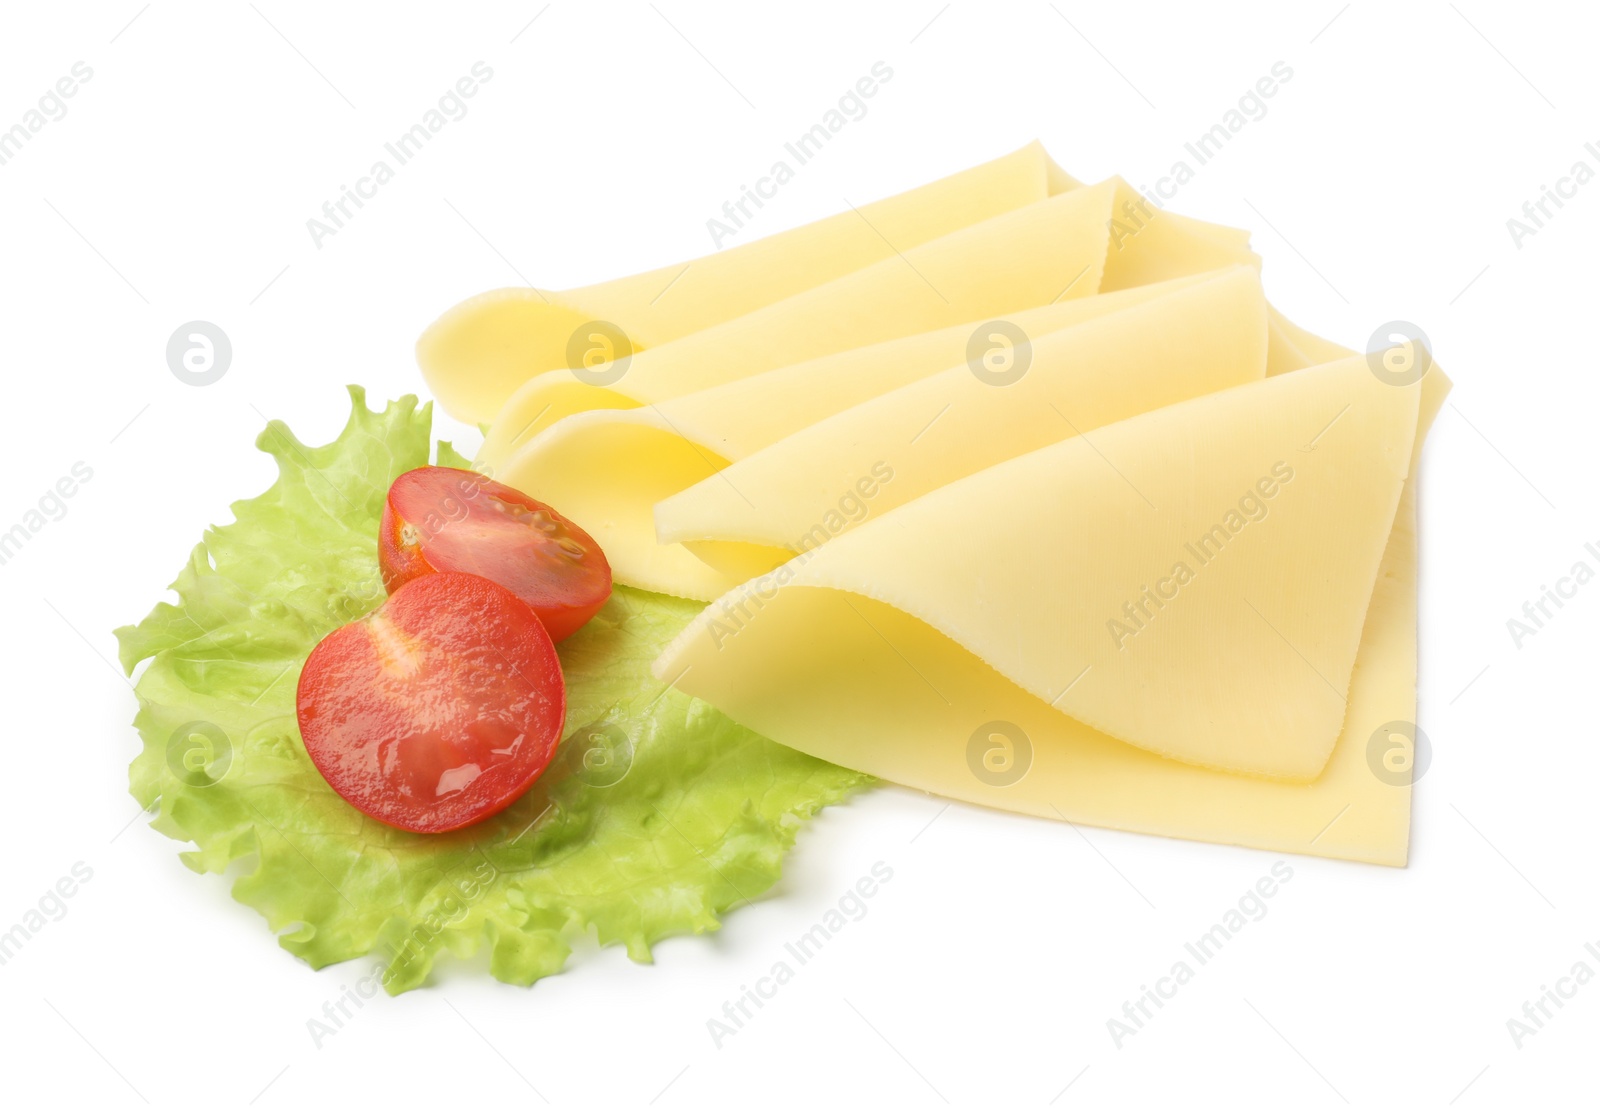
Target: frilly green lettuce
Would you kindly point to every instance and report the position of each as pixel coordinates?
(658, 815)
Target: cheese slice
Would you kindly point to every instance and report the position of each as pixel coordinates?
(1056, 249)
(861, 682)
(476, 354)
(1151, 579)
(608, 470)
(864, 461)
(742, 416)
(1293, 348)
(737, 419)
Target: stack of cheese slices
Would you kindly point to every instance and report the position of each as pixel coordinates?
(1008, 488)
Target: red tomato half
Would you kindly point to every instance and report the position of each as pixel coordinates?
(437, 710)
(442, 519)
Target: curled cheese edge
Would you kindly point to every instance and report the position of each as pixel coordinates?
(835, 653)
(1056, 249)
(827, 659)
(1201, 337)
(475, 355)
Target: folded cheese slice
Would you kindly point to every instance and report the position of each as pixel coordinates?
(829, 477)
(607, 469)
(1060, 248)
(743, 416)
(1191, 581)
(1291, 347)
(476, 354)
(861, 682)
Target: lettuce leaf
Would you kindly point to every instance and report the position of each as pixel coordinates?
(658, 814)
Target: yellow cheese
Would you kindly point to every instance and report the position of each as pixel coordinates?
(1056, 249)
(475, 355)
(1294, 348)
(860, 682)
(605, 473)
(1150, 579)
(742, 416)
(1144, 245)
(1159, 576)
(866, 460)
(607, 470)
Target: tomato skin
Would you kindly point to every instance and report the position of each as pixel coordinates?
(437, 710)
(438, 518)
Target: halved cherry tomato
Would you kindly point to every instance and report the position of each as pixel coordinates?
(437, 710)
(438, 518)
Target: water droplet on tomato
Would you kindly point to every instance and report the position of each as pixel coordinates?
(457, 779)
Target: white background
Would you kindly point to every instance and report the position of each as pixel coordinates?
(178, 187)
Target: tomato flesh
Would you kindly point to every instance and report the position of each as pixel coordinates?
(437, 710)
(441, 519)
